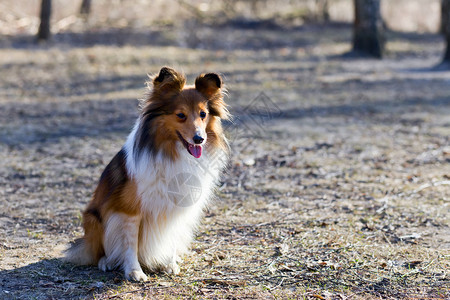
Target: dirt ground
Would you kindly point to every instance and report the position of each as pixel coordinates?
(338, 185)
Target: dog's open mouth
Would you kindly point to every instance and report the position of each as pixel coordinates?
(194, 150)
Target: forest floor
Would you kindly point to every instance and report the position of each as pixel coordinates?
(338, 185)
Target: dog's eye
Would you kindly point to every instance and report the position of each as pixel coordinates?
(202, 114)
(181, 116)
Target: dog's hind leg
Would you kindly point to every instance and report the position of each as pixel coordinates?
(121, 246)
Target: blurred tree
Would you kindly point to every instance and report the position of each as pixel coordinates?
(85, 8)
(368, 29)
(446, 29)
(44, 28)
(322, 6)
(445, 8)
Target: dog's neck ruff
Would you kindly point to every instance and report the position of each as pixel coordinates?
(158, 176)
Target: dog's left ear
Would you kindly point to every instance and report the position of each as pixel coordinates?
(210, 85)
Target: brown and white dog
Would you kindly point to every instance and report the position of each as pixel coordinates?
(144, 211)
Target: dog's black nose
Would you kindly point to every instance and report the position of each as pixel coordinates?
(198, 139)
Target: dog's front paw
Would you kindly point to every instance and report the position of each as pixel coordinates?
(136, 275)
(102, 264)
(173, 268)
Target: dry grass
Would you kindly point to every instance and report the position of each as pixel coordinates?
(341, 192)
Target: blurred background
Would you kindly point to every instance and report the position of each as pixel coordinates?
(22, 17)
(340, 164)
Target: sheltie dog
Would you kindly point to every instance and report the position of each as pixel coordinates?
(150, 197)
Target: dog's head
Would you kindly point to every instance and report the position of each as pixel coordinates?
(188, 115)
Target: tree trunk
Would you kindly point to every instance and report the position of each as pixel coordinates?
(322, 8)
(368, 30)
(44, 28)
(446, 29)
(85, 8)
(445, 9)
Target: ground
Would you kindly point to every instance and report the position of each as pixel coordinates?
(338, 184)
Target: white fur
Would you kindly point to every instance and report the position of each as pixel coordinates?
(166, 229)
(121, 243)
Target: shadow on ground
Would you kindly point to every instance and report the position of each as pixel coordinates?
(53, 279)
(253, 34)
(48, 122)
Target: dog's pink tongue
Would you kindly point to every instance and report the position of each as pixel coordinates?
(195, 150)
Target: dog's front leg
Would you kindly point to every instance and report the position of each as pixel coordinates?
(172, 267)
(121, 246)
(131, 266)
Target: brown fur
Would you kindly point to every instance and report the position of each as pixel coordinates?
(159, 124)
(115, 193)
(168, 97)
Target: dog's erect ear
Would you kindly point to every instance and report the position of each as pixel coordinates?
(210, 85)
(168, 82)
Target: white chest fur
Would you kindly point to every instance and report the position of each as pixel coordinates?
(173, 195)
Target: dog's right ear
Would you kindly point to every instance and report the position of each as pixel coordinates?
(168, 83)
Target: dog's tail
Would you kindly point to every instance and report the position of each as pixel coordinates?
(89, 249)
(78, 253)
